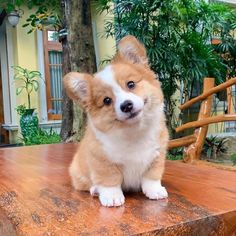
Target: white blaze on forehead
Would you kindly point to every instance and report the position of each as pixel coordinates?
(107, 76)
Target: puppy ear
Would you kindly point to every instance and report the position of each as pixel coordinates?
(130, 49)
(77, 86)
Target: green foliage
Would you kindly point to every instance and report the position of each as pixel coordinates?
(233, 158)
(174, 157)
(9, 5)
(214, 146)
(47, 14)
(175, 154)
(42, 137)
(21, 109)
(28, 81)
(227, 46)
(29, 122)
(177, 35)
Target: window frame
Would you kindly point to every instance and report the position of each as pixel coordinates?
(50, 46)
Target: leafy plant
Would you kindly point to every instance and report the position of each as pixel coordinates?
(174, 157)
(9, 5)
(233, 158)
(47, 13)
(175, 154)
(21, 109)
(45, 17)
(28, 81)
(42, 137)
(177, 35)
(214, 146)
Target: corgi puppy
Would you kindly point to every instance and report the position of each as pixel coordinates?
(125, 142)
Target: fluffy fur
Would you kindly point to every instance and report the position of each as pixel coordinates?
(121, 150)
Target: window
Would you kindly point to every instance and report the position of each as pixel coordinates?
(53, 74)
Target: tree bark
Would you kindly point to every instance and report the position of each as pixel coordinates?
(78, 55)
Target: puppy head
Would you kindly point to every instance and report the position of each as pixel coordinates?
(124, 93)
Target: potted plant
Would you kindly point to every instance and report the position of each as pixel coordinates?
(27, 81)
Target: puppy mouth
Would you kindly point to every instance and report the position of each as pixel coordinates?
(133, 114)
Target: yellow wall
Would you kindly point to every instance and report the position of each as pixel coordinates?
(25, 55)
(25, 49)
(106, 46)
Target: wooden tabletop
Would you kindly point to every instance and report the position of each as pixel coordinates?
(36, 198)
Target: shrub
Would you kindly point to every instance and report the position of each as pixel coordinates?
(175, 154)
(214, 146)
(233, 158)
(42, 137)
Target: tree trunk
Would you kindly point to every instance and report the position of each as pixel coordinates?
(78, 55)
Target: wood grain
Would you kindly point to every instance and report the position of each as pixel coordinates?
(36, 198)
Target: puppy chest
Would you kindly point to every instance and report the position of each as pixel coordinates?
(132, 176)
(138, 156)
(134, 166)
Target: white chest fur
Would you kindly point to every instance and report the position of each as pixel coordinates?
(134, 148)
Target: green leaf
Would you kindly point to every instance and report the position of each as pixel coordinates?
(19, 69)
(30, 31)
(25, 25)
(10, 7)
(33, 74)
(35, 85)
(29, 87)
(19, 90)
(18, 2)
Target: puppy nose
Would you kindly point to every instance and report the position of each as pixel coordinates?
(126, 106)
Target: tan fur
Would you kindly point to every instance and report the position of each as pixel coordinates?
(90, 165)
(156, 170)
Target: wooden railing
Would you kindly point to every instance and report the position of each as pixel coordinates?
(193, 143)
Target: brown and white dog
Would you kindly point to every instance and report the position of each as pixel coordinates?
(125, 142)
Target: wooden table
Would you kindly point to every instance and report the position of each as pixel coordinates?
(36, 198)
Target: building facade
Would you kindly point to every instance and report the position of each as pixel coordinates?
(40, 51)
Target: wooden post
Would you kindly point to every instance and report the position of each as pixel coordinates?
(230, 109)
(192, 153)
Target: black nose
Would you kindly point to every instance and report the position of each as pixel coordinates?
(126, 106)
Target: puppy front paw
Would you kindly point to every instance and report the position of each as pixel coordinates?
(109, 196)
(153, 189)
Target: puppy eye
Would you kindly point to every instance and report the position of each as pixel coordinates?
(131, 85)
(107, 101)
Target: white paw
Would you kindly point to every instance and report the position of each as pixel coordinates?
(153, 189)
(108, 196)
